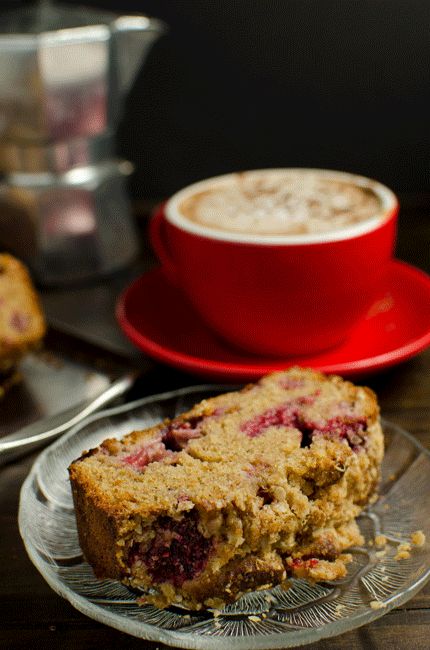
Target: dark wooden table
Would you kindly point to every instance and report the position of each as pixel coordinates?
(33, 616)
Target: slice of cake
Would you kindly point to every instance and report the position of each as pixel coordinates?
(22, 324)
(239, 493)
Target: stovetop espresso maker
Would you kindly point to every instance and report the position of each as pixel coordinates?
(65, 74)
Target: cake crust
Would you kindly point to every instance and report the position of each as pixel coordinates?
(239, 493)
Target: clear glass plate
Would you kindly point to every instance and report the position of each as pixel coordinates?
(262, 619)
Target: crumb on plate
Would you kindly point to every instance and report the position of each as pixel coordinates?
(418, 538)
(377, 604)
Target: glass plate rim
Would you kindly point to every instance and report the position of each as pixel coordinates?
(148, 632)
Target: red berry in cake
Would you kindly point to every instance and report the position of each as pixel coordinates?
(177, 553)
(287, 415)
(154, 450)
(177, 434)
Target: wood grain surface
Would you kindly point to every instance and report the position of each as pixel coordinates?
(33, 616)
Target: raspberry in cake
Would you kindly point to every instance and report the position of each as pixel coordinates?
(242, 491)
(22, 324)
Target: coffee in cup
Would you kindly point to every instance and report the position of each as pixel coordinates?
(279, 262)
(281, 202)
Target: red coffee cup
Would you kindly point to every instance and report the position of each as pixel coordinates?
(278, 294)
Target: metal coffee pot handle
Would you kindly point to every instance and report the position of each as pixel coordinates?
(133, 36)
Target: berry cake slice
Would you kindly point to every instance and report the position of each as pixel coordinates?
(22, 324)
(239, 493)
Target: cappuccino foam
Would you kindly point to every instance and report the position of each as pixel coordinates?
(281, 202)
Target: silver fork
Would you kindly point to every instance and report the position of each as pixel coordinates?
(37, 433)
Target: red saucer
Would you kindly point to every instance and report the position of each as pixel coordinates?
(159, 320)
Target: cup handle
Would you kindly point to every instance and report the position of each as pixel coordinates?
(157, 237)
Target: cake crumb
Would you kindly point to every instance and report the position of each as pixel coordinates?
(377, 604)
(403, 552)
(392, 477)
(402, 555)
(254, 619)
(380, 554)
(405, 546)
(216, 613)
(217, 624)
(380, 540)
(418, 538)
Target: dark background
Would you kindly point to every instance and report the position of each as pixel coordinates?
(258, 83)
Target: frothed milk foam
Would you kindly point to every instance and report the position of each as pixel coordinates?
(281, 202)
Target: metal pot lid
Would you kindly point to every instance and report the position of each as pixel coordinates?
(78, 177)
